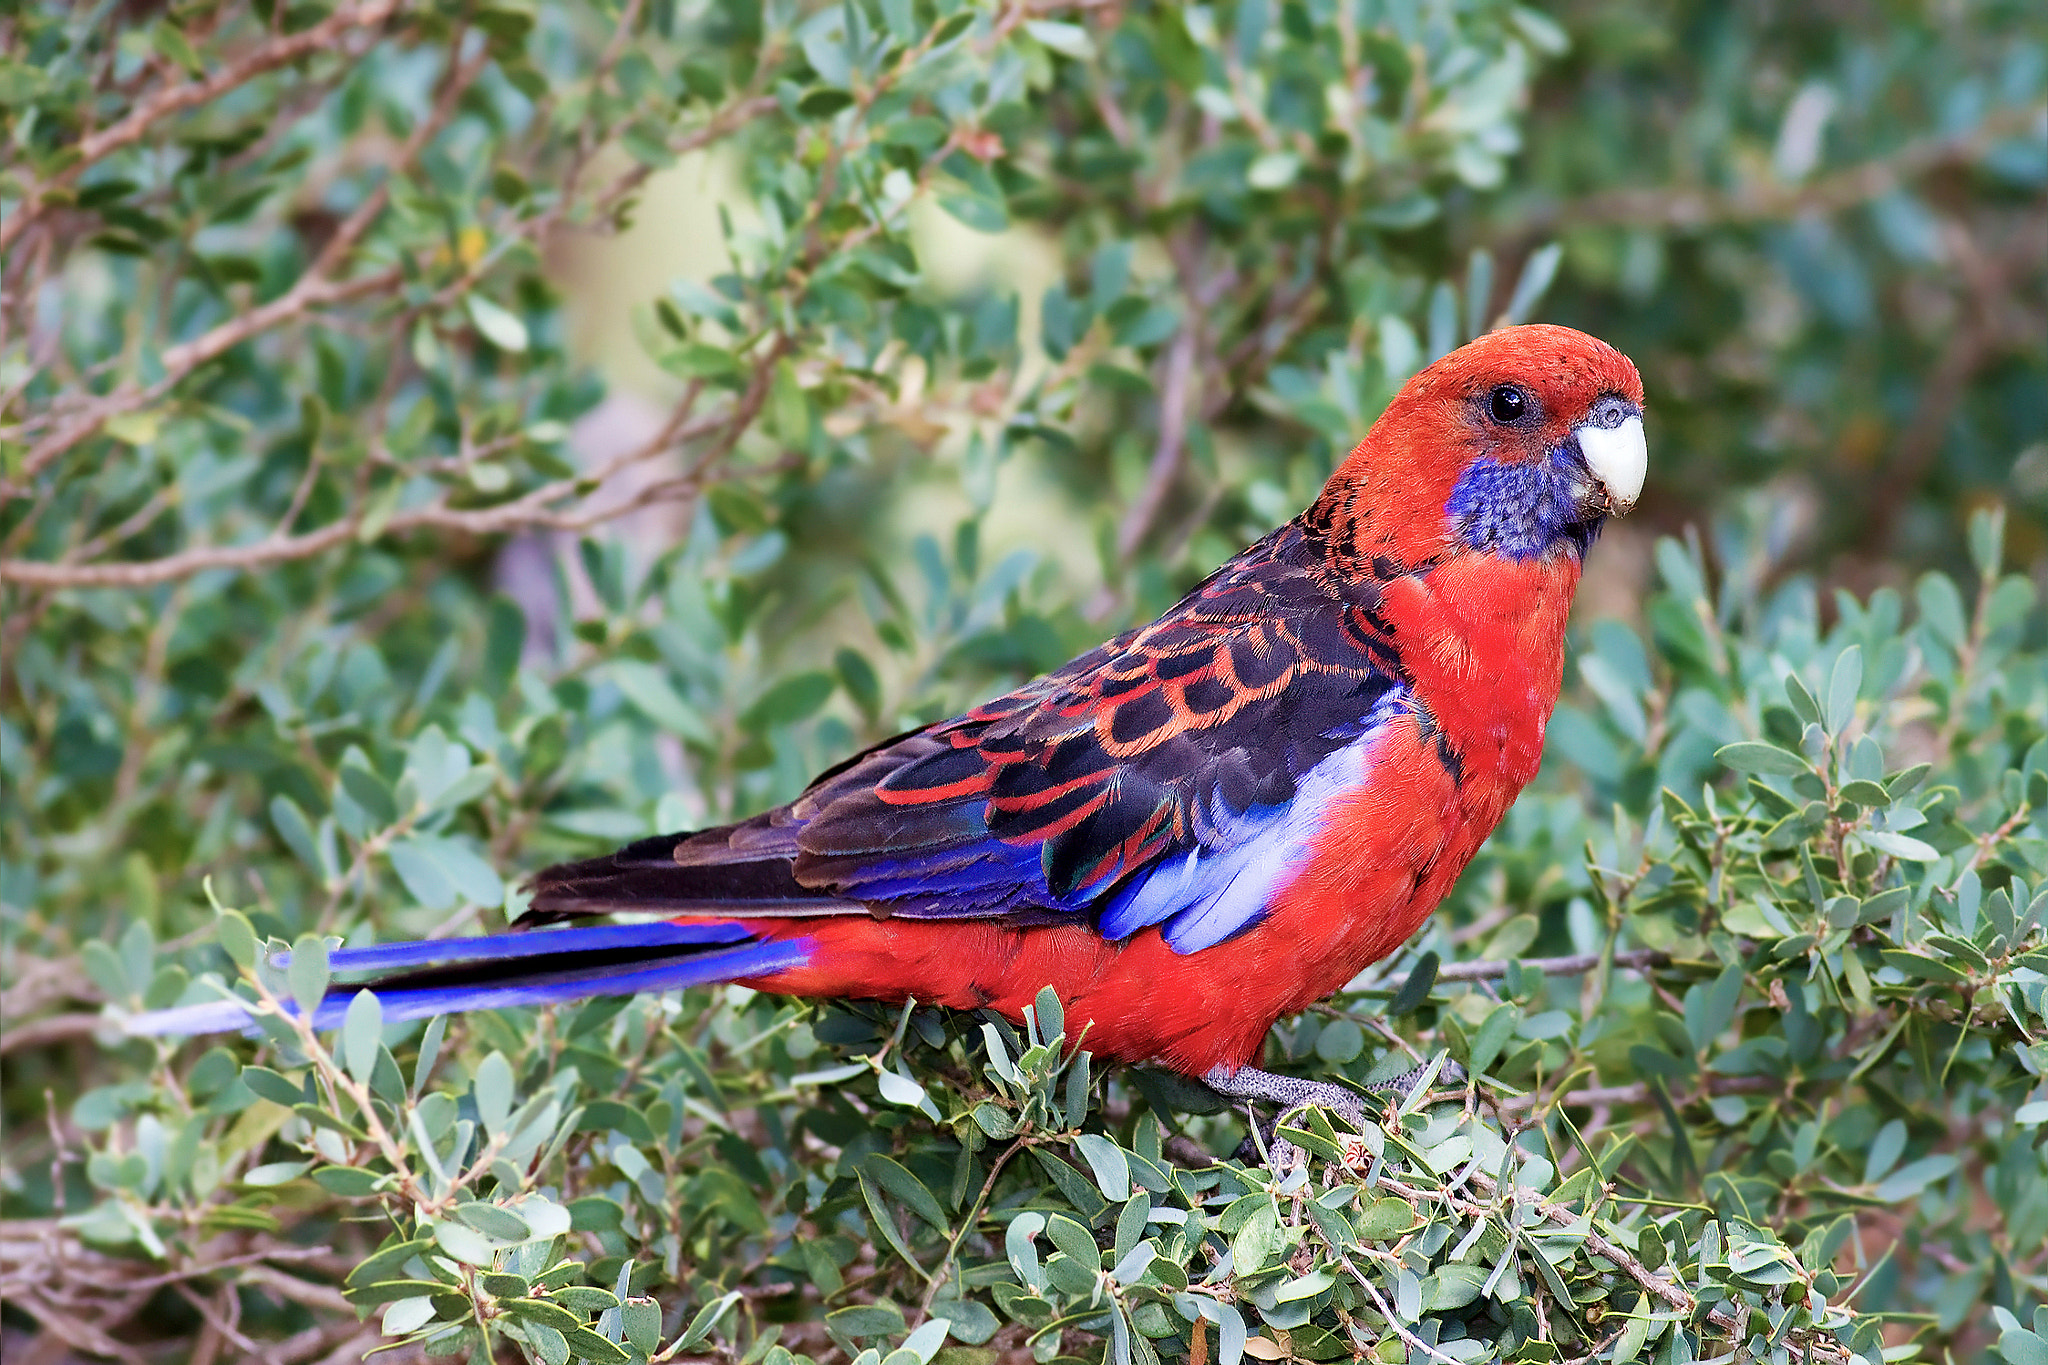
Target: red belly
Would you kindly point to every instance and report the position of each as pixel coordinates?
(1383, 860)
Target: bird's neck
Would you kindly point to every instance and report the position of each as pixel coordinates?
(1482, 638)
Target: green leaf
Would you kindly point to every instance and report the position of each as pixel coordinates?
(979, 212)
(1050, 1014)
(586, 1298)
(1751, 756)
(2021, 1347)
(541, 1311)
(650, 691)
(1901, 846)
(1453, 1287)
(1385, 1219)
(1922, 967)
(269, 1085)
(707, 1317)
(788, 701)
(1914, 1177)
(1340, 1041)
(1273, 171)
(307, 973)
(237, 938)
(421, 872)
(276, 1173)
(387, 1261)
(1069, 40)
(440, 872)
(1421, 980)
(641, 1320)
(1493, 1034)
(297, 832)
(1941, 609)
(1106, 1160)
(594, 1348)
(891, 1176)
(362, 1035)
(138, 428)
(866, 1320)
(596, 1213)
(501, 328)
(369, 791)
(858, 677)
(465, 1244)
(1842, 686)
(1075, 1240)
(504, 641)
(494, 1093)
(1403, 214)
(613, 1116)
(901, 1090)
(347, 1181)
(1533, 283)
(369, 1295)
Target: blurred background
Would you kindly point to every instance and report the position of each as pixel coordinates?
(1818, 230)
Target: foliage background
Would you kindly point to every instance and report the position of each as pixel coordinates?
(437, 439)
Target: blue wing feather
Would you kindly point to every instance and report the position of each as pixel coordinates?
(1167, 777)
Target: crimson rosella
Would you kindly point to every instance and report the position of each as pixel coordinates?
(1189, 831)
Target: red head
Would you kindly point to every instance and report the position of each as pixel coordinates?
(1519, 444)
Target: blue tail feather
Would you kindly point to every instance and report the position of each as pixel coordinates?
(556, 988)
(445, 976)
(438, 952)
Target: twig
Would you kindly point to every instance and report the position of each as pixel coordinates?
(1386, 1311)
(1641, 1093)
(179, 361)
(1976, 342)
(1485, 970)
(1761, 199)
(968, 1223)
(57, 1028)
(1169, 452)
(531, 510)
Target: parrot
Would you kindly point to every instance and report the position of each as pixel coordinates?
(1200, 826)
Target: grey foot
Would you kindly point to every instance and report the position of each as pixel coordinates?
(1450, 1073)
(1291, 1094)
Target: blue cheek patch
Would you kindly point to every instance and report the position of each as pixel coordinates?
(1521, 509)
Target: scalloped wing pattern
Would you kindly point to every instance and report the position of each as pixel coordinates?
(1162, 777)
(1173, 776)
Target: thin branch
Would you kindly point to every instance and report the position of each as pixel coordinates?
(1551, 966)
(1169, 452)
(268, 56)
(1642, 1093)
(179, 361)
(1764, 200)
(534, 509)
(57, 1028)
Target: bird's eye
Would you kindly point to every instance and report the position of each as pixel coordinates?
(1506, 404)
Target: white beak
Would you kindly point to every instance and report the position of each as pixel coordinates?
(1619, 457)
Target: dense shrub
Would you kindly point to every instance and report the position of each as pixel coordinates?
(1751, 988)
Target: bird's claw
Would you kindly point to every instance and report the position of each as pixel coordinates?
(1292, 1094)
